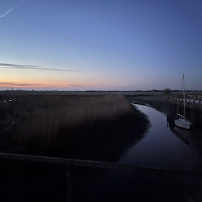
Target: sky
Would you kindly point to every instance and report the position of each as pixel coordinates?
(100, 44)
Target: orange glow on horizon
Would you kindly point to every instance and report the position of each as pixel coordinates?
(48, 85)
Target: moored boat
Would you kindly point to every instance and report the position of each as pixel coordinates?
(182, 122)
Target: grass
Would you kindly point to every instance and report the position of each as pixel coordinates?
(88, 127)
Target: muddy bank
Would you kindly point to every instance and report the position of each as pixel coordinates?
(157, 102)
(193, 114)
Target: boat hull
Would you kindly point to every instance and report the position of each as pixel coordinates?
(185, 125)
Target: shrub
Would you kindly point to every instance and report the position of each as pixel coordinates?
(167, 91)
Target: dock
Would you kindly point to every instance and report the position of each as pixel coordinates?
(191, 101)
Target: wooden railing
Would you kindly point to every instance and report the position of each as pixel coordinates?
(190, 100)
(95, 164)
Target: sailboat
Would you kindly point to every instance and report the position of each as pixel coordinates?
(182, 122)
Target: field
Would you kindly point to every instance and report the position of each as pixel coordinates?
(87, 127)
(95, 93)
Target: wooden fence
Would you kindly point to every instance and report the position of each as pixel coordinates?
(190, 101)
(95, 164)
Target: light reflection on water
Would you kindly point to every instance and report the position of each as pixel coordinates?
(160, 147)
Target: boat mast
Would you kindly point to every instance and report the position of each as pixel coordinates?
(184, 97)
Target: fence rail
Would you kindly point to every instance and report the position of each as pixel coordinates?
(189, 100)
(96, 164)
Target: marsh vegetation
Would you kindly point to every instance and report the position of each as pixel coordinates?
(87, 127)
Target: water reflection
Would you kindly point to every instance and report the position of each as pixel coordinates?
(181, 133)
(164, 146)
(161, 147)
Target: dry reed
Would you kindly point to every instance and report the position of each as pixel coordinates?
(44, 124)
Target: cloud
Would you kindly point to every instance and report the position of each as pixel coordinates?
(15, 66)
(49, 85)
(1, 16)
(20, 84)
(28, 85)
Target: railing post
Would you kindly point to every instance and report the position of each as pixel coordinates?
(200, 100)
(68, 183)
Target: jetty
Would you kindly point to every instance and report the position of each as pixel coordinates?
(191, 101)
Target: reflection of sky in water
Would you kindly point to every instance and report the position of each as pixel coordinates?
(160, 147)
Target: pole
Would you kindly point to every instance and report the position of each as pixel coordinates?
(68, 183)
(184, 97)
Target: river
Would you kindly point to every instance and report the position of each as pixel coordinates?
(163, 147)
(160, 148)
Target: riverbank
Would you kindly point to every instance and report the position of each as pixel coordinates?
(96, 128)
(85, 127)
(158, 102)
(161, 104)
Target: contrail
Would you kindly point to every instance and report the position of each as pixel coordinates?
(16, 66)
(7, 12)
(1, 16)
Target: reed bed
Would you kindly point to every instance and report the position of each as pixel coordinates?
(70, 126)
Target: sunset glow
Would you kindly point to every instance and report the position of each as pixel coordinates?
(100, 45)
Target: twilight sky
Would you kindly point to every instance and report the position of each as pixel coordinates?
(100, 44)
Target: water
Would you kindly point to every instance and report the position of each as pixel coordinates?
(162, 147)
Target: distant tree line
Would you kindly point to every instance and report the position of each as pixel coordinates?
(167, 91)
